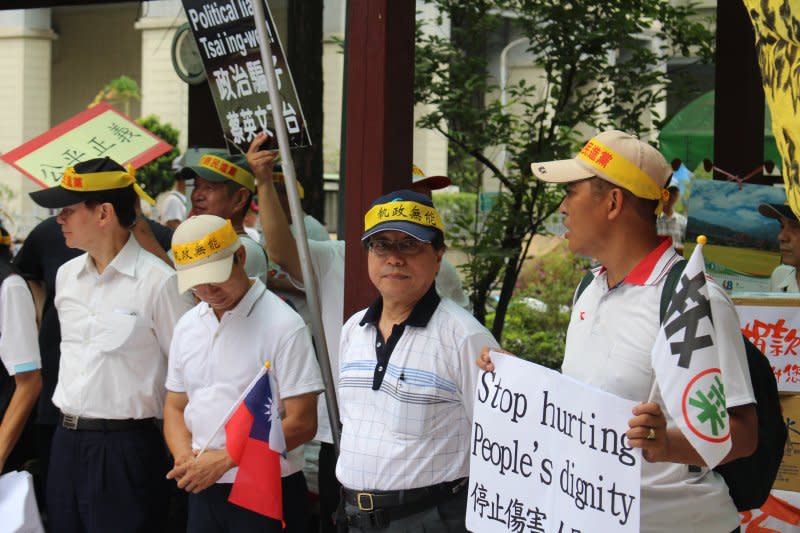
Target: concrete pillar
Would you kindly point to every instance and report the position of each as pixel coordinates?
(26, 40)
(164, 94)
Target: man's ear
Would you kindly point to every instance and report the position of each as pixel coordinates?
(242, 195)
(106, 213)
(241, 255)
(615, 201)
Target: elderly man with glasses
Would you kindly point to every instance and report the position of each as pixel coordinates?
(406, 382)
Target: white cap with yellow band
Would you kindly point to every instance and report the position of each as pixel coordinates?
(617, 157)
(203, 247)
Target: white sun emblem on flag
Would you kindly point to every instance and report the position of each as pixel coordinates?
(268, 408)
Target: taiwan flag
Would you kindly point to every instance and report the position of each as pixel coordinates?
(254, 439)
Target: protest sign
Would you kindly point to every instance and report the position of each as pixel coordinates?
(101, 131)
(228, 44)
(549, 454)
(771, 323)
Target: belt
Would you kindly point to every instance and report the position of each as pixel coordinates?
(78, 423)
(378, 508)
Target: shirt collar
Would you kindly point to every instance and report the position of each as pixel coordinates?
(653, 267)
(419, 317)
(124, 262)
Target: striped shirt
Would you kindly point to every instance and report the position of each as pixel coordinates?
(407, 421)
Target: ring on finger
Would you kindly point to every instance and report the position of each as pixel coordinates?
(652, 434)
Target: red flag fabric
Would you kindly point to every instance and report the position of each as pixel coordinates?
(257, 486)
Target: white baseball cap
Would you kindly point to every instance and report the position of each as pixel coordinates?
(203, 247)
(617, 157)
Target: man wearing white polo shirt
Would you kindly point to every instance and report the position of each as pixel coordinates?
(217, 349)
(615, 189)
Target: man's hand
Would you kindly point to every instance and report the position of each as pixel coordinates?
(181, 465)
(261, 161)
(203, 471)
(648, 431)
(484, 361)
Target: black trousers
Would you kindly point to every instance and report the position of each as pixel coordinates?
(211, 512)
(107, 481)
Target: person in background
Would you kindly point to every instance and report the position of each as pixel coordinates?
(785, 277)
(117, 306)
(224, 186)
(171, 205)
(670, 223)
(20, 374)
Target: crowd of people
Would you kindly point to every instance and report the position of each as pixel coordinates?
(146, 338)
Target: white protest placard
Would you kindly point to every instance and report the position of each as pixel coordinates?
(771, 323)
(549, 454)
(18, 510)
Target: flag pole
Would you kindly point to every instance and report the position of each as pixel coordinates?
(233, 408)
(289, 177)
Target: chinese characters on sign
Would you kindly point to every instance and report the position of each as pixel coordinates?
(772, 325)
(549, 454)
(97, 132)
(228, 43)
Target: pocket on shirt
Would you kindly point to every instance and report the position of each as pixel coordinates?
(413, 409)
(120, 328)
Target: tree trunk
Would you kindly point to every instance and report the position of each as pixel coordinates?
(305, 62)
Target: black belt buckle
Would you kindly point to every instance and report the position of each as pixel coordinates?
(362, 497)
(70, 421)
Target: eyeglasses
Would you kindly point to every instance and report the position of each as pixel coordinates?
(381, 247)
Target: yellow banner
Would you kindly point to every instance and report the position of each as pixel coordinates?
(229, 170)
(407, 211)
(188, 253)
(778, 48)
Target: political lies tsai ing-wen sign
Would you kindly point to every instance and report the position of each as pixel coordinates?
(226, 37)
(549, 454)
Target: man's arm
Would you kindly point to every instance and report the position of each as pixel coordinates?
(177, 435)
(280, 244)
(28, 386)
(671, 445)
(147, 240)
(300, 419)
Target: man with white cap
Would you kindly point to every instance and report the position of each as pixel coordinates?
(117, 305)
(615, 189)
(217, 349)
(785, 277)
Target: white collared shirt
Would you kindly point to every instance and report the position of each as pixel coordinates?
(213, 361)
(414, 431)
(116, 328)
(19, 338)
(610, 336)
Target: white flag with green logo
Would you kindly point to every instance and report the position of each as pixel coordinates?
(687, 369)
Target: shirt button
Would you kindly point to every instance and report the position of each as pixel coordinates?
(378, 344)
(380, 369)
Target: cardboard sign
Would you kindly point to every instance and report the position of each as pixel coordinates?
(226, 37)
(101, 131)
(550, 454)
(772, 324)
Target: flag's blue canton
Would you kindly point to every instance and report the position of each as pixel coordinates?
(259, 403)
